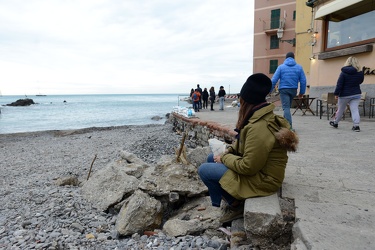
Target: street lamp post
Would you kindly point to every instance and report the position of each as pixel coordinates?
(280, 33)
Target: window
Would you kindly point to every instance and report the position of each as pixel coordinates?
(274, 42)
(353, 30)
(294, 15)
(273, 65)
(275, 19)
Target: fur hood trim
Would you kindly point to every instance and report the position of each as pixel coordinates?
(287, 139)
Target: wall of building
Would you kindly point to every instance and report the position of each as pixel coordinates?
(304, 32)
(323, 74)
(262, 32)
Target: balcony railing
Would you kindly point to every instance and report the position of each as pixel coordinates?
(272, 24)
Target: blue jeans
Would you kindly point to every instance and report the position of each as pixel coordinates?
(221, 102)
(286, 96)
(196, 106)
(211, 173)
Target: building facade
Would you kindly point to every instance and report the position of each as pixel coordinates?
(274, 33)
(342, 28)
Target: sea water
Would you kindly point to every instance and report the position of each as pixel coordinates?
(60, 112)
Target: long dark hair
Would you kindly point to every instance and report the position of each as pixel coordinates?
(246, 111)
(244, 114)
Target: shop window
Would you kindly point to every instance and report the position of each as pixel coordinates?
(273, 65)
(275, 19)
(356, 30)
(274, 42)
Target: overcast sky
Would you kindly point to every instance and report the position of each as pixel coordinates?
(124, 46)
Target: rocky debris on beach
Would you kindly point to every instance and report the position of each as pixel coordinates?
(22, 102)
(145, 197)
(137, 196)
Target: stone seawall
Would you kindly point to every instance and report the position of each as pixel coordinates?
(200, 131)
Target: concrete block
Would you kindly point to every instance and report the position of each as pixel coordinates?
(263, 219)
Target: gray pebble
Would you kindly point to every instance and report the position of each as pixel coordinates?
(38, 214)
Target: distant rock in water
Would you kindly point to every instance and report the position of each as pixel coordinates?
(22, 102)
(156, 118)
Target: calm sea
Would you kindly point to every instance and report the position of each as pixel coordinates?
(60, 112)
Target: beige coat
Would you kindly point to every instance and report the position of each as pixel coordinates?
(257, 160)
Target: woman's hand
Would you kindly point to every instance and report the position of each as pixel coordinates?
(217, 158)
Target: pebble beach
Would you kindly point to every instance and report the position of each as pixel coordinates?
(35, 213)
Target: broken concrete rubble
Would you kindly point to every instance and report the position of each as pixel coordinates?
(170, 196)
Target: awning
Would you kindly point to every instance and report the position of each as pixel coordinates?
(334, 6)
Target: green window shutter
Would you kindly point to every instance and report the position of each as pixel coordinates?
(273, 65)
(275, 19)
(274, 42)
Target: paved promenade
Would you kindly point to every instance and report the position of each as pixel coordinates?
(331, 178)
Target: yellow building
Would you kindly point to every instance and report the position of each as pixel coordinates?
(342, 28)
(322, 34)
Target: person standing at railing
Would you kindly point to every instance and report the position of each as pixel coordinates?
(348, 91)
(196, 96)
(290, 74)
(200, 98)
(221, 96)
(212, 97)
(205, 98)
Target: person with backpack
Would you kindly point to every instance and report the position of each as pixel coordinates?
(196, 96)
(200, 99)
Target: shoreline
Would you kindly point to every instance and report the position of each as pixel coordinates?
(76, 131)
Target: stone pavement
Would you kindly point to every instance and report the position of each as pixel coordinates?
(331, 177)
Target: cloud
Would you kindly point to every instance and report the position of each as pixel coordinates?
(93, 47)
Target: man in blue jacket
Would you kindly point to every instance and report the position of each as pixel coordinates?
(290, 74)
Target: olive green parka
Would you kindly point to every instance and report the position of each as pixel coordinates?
(258, 158)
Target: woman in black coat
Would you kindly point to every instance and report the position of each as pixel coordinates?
(212, 97)
(205, 98)
(348, 92)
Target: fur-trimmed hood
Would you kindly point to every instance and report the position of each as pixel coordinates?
(287, 139)
(280, 128)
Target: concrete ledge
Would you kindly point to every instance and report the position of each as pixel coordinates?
(263, 219)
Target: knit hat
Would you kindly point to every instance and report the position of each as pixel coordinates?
(256, 88)
(289, 54)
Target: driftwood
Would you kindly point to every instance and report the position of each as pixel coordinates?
(181, 147)
(181, 152)
(92, 163)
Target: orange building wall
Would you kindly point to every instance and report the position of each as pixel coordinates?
(262, 16)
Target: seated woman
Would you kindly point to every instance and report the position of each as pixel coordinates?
(254, 165)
